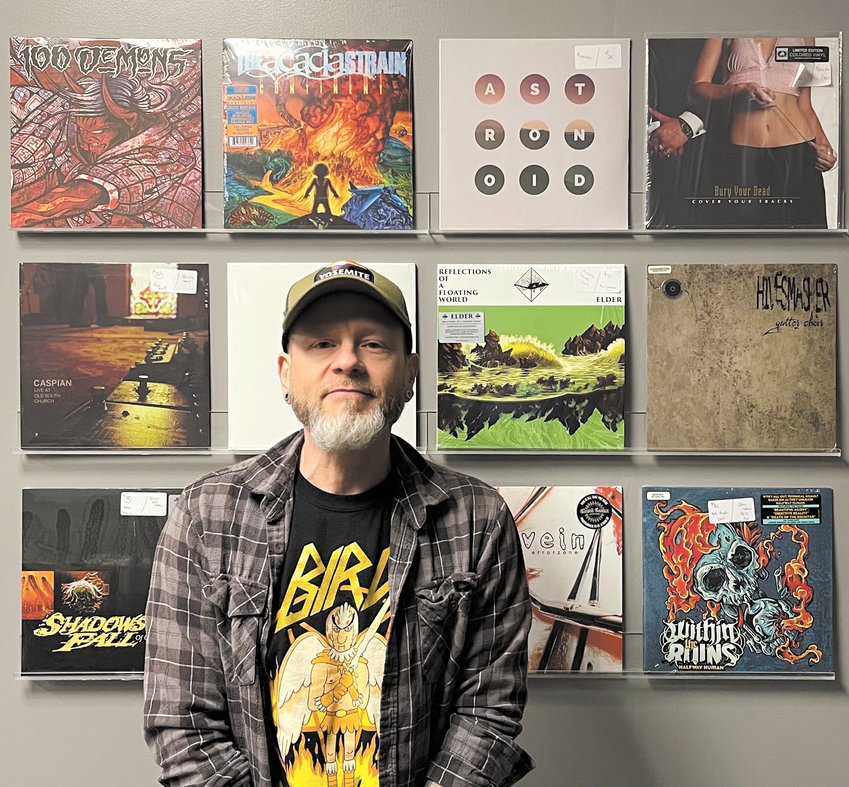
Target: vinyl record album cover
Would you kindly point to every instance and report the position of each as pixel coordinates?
(742, 357)
(318, 134)
(531, 357)
(256, 293)
(737, 581)
(743, 133)
(106, 133)
(572, 545)
(533, 134)
(87, 557)
(114, 355)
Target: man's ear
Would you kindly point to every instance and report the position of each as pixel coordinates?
(283, 371)
(412, 370)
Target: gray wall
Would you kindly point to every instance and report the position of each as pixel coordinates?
(629, 730)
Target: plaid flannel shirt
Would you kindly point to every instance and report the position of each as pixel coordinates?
(456, 664)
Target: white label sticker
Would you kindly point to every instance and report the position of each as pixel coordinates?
(174, 280)
(657, 495)
(726, 512)
(598, 56)
(144, 504)
(815, 75)
(660, 269)
(599, 278)
(461, 327)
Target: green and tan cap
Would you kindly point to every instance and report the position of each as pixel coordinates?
(346, 276)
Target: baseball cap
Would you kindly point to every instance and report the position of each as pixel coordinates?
(346, 276)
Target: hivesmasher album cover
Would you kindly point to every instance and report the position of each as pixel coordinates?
(86, 561)
(255, 296)
(533, 134)
(572, 546)
(318, 134)
(737, 581)
(114, 355)
(742, 357)
(106, 133)
(531, 357)
(743, 133)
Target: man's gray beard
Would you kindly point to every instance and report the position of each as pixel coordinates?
(349, 430)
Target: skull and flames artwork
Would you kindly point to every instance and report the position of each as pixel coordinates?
(318, 134)
(737, 594)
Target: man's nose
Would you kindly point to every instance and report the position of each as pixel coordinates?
(348, 358)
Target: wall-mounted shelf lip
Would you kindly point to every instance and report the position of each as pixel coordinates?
(443, 453)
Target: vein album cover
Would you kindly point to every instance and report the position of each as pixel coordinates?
(87, 557)
(743, 133)
(114, 355)
(531, 357)
(106, 133)
(742, 357)
(572, 546)
(737, 581)
(318, 134)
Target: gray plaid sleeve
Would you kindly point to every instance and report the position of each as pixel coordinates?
(478, 749)
(185, 711)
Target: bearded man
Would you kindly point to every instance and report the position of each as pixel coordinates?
(339, 610)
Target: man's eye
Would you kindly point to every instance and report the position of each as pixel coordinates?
(322, 345)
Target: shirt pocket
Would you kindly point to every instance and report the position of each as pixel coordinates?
(240, 603)
(442, 609)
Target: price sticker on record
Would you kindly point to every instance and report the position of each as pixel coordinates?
(176, 280)
(144, 504)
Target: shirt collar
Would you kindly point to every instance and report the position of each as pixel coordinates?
(271, 475)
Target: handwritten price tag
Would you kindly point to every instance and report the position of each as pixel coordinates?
(144, 504)
(726, 512)
(598, 56)
(174, 280)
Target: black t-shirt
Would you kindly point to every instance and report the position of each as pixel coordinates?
(325, 659)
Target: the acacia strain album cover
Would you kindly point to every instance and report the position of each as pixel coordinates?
(531, 357)
(737, 581)
(106, 133)
(743, 133)
(572, 545)
(318, 134)
(533, 134)
(256, 292)
(114, 355)
(86, 561)
(742, 357)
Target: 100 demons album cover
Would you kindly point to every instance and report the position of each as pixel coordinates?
(737, 581)
(87, 557)
(318, 134)
(106, 133)
(572, 545)
(742, 357)
(743, 133)
(114, 355)
(531, 357)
